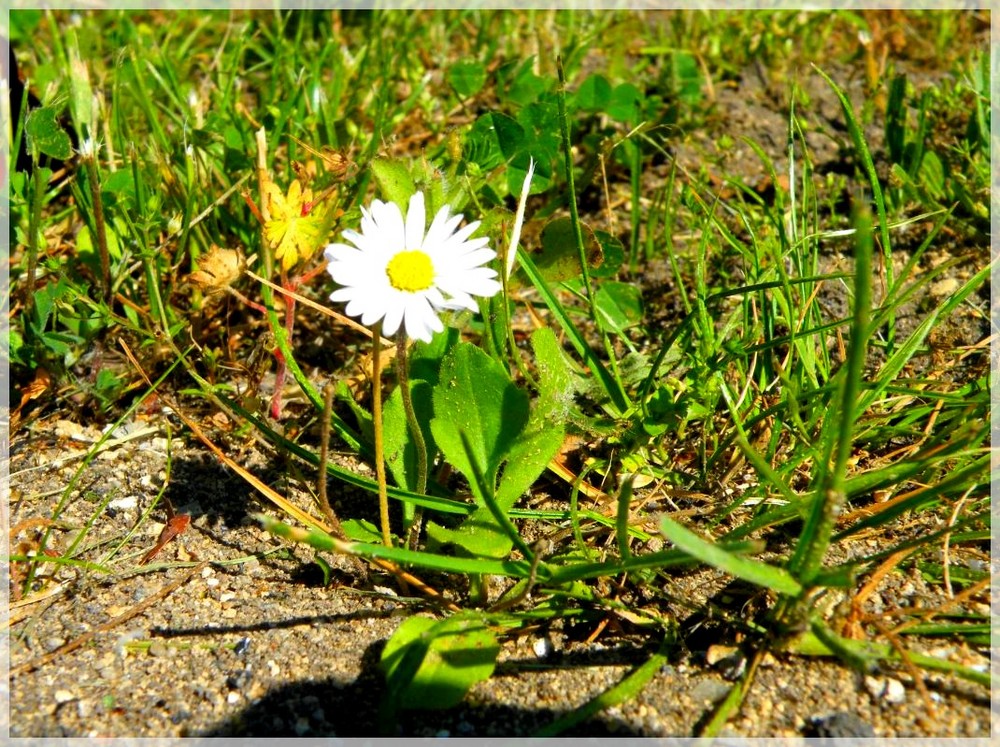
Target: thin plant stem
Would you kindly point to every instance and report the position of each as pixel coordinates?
(281, 373)
(37, 202)
(324, 452)
(102, 239)
(402, 372)
(571, 189)
(515, 353)
(383, 490)
(403, 375)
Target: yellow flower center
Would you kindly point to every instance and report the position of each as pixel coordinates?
(410, 271)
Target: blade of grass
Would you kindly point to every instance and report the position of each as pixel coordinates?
(620, 693)
(865, 156)
(320, 540)
(757, 572)
(830, 494)
(612, 387)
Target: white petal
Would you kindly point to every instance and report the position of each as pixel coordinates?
(390, 231)
(420, 320)
(472, 259)
(394, 310)
(481, 285)
(441, 228)
(336, 252)
(415, 217)
(465, 232)
(461, 300)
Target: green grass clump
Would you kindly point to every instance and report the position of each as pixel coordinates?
(762, 375)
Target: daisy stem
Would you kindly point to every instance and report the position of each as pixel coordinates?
(383, 491)
(403, 375)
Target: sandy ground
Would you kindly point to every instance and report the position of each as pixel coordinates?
(246, 643)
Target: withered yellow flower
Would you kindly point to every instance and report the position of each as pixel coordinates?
(297, 226)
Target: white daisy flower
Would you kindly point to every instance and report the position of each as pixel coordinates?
(396, 272)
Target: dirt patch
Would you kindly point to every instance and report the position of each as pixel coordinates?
(252, 644)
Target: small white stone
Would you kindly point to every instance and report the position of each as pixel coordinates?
(875, 686)
(894, 691)
(273, 668)
(542, 647)
(63, 696)
(233, 698)
(125, 502)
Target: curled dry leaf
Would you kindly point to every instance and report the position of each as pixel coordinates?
(218, 269)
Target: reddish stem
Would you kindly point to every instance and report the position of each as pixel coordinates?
(279, 375)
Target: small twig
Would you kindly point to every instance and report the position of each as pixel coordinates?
(910, 667)
(76, 643)
(946, 550)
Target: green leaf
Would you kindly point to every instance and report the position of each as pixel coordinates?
(624, 103)
(932, 176)
(484, 405)
(687, 77)
(556, 383)
(425, 357)
(608, 383)
(23, 24)
(558, 259)
(620, 305)
(14, 342)
(756, 572)
(81, 102)
(86, 246)
(432, 664)
(400, 452)
(594, 93)
(394, 181)
(523, 86)
(360, 530)
(614, 255)
(536, 447)
(476, 396)
(467, 78)
(45, 136)
(480, 534)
